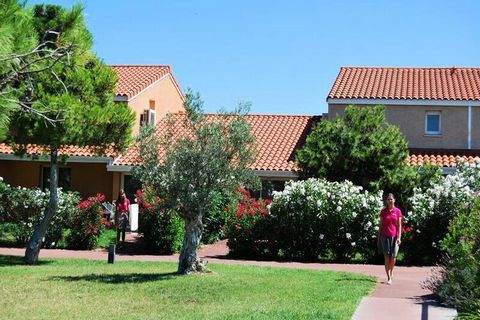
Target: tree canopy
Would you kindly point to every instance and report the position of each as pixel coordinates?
(57, 92)
(361, 147)
(186, 171)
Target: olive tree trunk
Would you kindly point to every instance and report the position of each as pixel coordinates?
(189, 261)
(35, 243)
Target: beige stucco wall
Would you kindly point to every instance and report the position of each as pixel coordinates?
(167, 99)
(411, 121)
(86, 178)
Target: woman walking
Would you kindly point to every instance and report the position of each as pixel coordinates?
(121, 215)
(390, 234)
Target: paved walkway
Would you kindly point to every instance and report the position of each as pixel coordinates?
(404, 299)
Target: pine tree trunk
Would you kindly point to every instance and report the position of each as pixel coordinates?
(189, 261)
(35, 243)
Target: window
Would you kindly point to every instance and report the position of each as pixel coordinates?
(433, 123)
(64, 178)
(147, 117)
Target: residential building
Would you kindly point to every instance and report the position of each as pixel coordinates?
(151, 91)
(437, 109)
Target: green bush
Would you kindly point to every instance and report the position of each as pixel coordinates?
(458, 279)
(215, 219)
(162, 229)
(87, 223)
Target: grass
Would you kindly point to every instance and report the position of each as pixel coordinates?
(83, 289)
(108, 237)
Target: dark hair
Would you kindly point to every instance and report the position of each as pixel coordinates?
(388, 195)
(119, 199)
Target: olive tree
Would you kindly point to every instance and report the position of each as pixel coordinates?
(195, 157)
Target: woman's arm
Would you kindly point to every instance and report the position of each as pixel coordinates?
(399, 239)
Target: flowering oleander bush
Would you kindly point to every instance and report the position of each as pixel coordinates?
(308, 220)
(23, 208)
(87, 223)
(247, 229)
(162, 229)
(458, 278)
(433, 209)
(316, 217)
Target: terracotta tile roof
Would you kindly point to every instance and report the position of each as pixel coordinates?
(407, 83)
(443, 158)
(133, 79)
(277, 137)
(71, 151)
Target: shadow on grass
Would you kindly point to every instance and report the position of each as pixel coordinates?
(356, 279)
(7, 261)
(119, 278)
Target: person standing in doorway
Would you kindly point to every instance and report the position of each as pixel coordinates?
(121, 215)
(390, 234)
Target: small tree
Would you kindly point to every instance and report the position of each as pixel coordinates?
(213, 155)
(361, 147)
(77, 94)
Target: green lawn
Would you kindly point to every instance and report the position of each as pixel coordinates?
(83, 289)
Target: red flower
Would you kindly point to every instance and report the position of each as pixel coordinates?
(251, 212)
(263, 212)
(227, 209)
(268, 201)
(256, 204)
(239, 214)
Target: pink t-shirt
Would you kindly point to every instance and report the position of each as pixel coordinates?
(123, 207)
(390, 221)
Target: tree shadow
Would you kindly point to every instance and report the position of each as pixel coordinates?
(356, 279)
(119, 278)
(7, 261)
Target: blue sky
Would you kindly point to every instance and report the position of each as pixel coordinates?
(282, 56)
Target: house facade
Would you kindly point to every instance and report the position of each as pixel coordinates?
(437, 109)
(150, 91)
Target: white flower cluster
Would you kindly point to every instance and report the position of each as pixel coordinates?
(443, 199)
(344, 212)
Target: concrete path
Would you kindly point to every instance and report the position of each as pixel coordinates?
(404, 299)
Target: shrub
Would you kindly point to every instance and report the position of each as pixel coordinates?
(247, 228)
(457, 280)
(87, 223)
(215, 219)
(432, 210)
(315, 218)
(23, 208)
(162, 229)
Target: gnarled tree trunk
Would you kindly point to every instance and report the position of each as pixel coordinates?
(189, 261)
(35, 243)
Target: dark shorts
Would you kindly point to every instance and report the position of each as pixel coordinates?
(389, 246)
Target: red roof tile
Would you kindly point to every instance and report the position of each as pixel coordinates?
(407, 83)
(134, 79)
(277, 137)
(71, 151)
(443, 158)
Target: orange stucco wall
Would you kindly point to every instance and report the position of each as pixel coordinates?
(167, 99)
(86, 178)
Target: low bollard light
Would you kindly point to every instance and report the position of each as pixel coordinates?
(111, 253)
